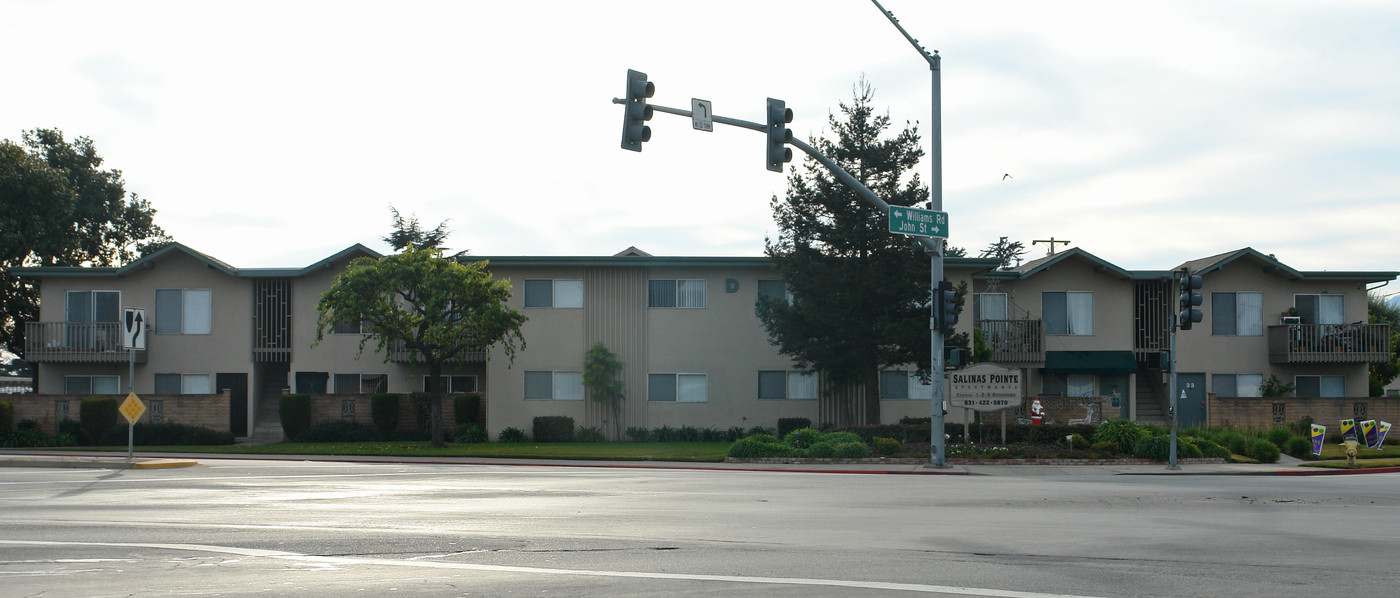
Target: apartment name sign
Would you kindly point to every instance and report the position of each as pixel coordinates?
(986, 387)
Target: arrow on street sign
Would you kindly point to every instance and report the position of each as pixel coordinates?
(134, 329)
(919, 223)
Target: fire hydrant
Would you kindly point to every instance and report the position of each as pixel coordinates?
(1351, 445)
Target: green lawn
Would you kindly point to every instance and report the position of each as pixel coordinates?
(703, 452)
(1334, 456)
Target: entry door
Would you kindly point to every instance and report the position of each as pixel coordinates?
(1192, 409)
(1115, 387)
(237, 385)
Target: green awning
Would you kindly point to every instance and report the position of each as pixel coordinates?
(1090, 362)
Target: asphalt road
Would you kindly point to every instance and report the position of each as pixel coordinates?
(246, 528)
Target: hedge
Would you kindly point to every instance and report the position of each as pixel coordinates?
(7, 417)
(384, 412)
(295, 412)
(554, 428)
(98, 415)
(466, 409)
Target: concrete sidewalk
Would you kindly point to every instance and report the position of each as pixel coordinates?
(106, 460)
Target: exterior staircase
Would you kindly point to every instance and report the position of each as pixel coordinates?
(1151, 403)
(267, 426)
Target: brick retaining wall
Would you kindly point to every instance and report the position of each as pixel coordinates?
(332, 407)
(205, 411)
(1258, 412)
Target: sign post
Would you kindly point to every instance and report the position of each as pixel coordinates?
(133, 340)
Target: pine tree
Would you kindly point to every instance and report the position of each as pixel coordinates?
(859, 293)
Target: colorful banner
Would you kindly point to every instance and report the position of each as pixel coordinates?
(1319, 435)
(1368, 432)
(1348, 429)
(1381, 429)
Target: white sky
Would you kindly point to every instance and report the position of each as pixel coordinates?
(276, 133)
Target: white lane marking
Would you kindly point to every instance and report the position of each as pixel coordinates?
(344, 561)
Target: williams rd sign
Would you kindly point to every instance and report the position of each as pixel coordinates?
(920, 223)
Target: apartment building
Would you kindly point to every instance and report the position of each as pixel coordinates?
(692, 350)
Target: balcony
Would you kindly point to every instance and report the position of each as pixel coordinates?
(401, 354)
(76, 342)
(1014, 341)
(1329, 343)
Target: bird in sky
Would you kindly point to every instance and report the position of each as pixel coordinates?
(1005, 176)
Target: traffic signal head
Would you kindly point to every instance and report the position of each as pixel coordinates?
(1190, 299)
(779, 115)
(636, 112)
(947, 302)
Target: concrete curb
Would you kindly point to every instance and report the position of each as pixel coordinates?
(88, 462)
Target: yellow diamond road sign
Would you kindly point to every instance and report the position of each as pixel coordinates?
(132, 408)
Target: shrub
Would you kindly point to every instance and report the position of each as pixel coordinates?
(554, 428)
(26, 438)
(167, 434)
(1186, 449)
(98, 414)
(802, 438)
(761, 430)
(591, 434)
(469, 434)
(7, 417)
(886, 447)
(712, 434)
(754, 447)
(1104, 447)
(852, 450)
(75, 429)
(1236, 443)
(763, 437)
(339, 431)
(466, 409)
(842, 437)
(1278, 435)
(1262, 450)
(1122, 432)
(733, 434)
(1211, 450)
(788, 424)
(295, 412)
(512, 435)
(384, 412)
(638, 434)
(1298, 447)
(1157, 448)
(688, 434)
(1077, 441)
(822, 450)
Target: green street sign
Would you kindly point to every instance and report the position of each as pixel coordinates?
(919, 223)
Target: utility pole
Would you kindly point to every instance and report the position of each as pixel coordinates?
(938, 456)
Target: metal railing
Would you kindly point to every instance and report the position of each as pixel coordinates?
(76, 342)
(1329, 343)
(401, 354)
(1014, 341)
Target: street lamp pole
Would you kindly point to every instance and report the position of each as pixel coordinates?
(938, 456)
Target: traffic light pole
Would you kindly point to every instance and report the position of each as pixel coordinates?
(1172, 391)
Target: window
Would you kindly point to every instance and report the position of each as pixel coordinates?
(361, 327)
(454, 384)
(560, 386)
(677, 388)
(775, 289)
(361, 383)
(1320, 386)
(780, 384)
(989, 306)
(93, 306)
(183, 384)
(92, 385)
(1321, 309)
(1067, 385)
(1068, 312)
(1236, 385)
(183, 311)
(902, 384)
(1237, 314)
(553, 293)
(676, 293)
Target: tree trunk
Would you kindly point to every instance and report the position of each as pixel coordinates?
(872, 393)
(435, 403)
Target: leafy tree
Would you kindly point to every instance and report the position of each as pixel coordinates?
(1381, 311)
(1006, 251)
(435, 306)
(600, 376)
(860, 294)
(410, 232)
(59, 208)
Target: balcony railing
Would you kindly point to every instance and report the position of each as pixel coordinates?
(401, 354)
(76, 342)
(1329, 343)
(1014, 341)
